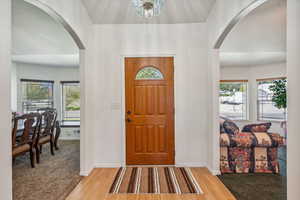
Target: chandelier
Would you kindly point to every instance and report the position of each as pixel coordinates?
(148, 8)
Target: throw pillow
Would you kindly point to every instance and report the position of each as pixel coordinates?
(263, 127)
(230, 127)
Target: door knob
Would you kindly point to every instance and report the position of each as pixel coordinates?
(128, 112)
(128, 120)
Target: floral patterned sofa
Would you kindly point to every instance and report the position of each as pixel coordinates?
(252, 150)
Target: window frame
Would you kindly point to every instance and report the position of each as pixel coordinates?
(22, 80)
(247, 96)
(62, 83)
(257, 101)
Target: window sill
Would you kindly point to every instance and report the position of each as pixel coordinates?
(73, 124)
(241, 120)
(273, 121)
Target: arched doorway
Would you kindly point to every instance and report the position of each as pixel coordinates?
(229, 77)
(68, 29)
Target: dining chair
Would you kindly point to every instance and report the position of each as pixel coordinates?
(24, 138)
(46, 133)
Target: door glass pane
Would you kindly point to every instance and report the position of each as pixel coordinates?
(149, 73)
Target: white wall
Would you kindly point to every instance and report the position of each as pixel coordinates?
(293, 63)
(75, 14)
(5, 114)
(222, 14)
(263, 30)
(220, 17)
(188, 43)
(51, 38)
(252, 73)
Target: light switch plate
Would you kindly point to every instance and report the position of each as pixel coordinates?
(115, 106)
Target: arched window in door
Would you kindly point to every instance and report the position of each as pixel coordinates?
(149, 73)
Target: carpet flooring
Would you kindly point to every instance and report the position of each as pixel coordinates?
(259, 186)
(255, 186)
(53, 179)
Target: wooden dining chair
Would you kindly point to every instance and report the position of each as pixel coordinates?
(24, 137)
(56, 129)
(46, 133)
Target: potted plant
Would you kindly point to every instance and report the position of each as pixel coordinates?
(279, 97)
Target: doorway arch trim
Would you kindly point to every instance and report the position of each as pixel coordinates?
(57, 17)
(240, 16)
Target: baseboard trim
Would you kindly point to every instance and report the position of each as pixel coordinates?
(85, 173)
(108, 165)
(190, 164)
(69, 138)
(214, 172)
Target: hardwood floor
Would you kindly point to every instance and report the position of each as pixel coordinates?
(97, 185)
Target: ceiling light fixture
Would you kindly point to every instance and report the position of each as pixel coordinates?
(148, 8)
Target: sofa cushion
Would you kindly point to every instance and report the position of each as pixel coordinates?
(224, 140)
(222, 120)
(277, 140)
(262, 127)
(263, 139)
(222, 130)
(264, 163)
(243, 139)
(249, 160)
(230, 127)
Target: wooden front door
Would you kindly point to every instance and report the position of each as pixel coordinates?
(149, 111)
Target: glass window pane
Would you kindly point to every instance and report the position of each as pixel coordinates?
(233, 100)
(149, 73)
(36, 95)
(266, 107)
(71, 101)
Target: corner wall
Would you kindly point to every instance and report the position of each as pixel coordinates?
(219, 18)
(188, 43)
(5, 114)
(293, 70)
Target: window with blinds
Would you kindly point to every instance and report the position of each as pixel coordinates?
(70, 101)
(266, 109)
(36, 94)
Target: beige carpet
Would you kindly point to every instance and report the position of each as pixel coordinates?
(53, 179)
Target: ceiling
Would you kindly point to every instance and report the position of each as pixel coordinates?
(36, 35)
(259, 38)
(245, 59)
(48, 60)
(123, 12)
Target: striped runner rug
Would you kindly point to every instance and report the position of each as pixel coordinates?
(155, 180)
